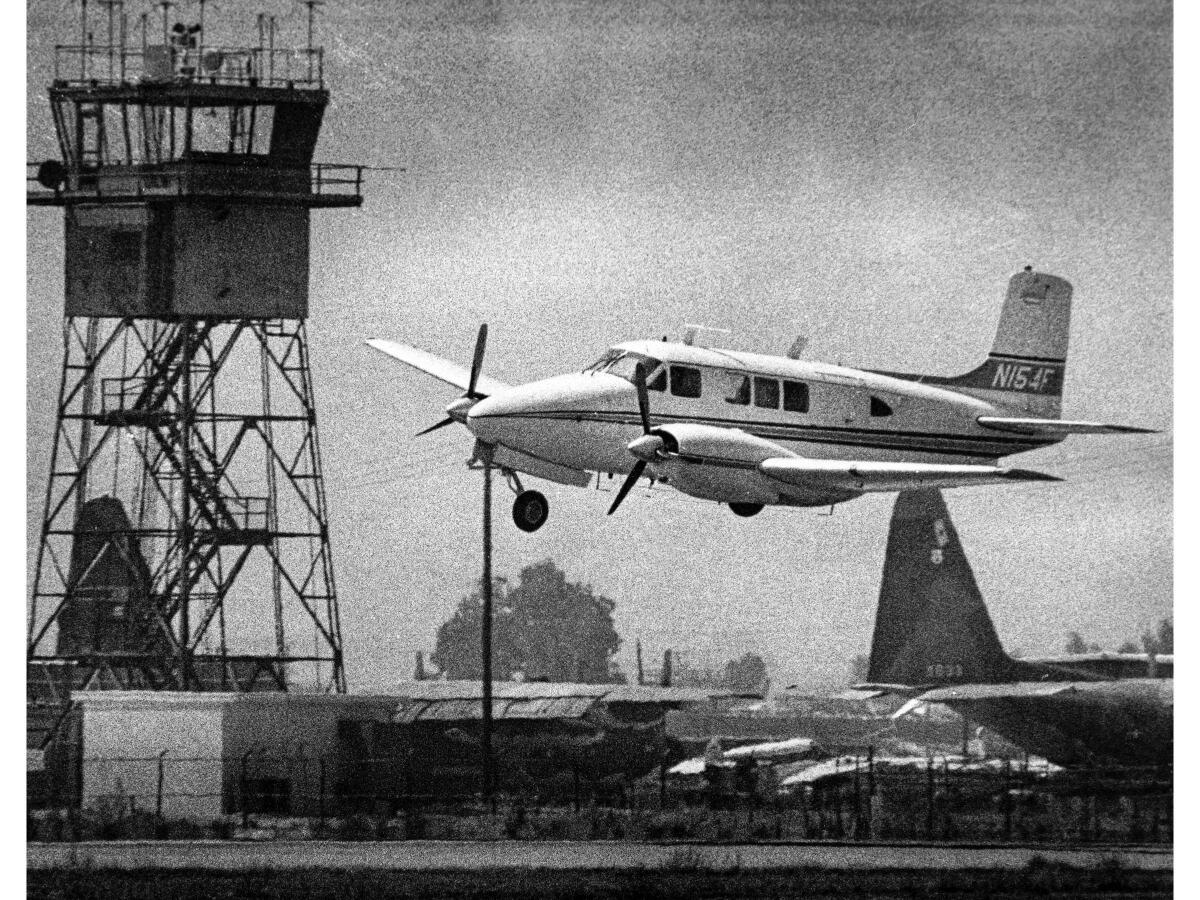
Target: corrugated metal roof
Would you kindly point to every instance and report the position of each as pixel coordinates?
(459, 710)
(612, 693)
(645, 693)
(463, 700)
(473, 690)
(549, 708)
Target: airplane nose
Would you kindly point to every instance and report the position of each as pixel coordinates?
(486, 418)
(513, 417)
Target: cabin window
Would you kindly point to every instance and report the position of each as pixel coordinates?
(879, 407)
(685, 381)
(766, 393)
(795, 396)
(658, 380)
(740, 394)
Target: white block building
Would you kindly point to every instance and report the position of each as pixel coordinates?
(209, 750)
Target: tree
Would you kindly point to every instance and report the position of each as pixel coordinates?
(747, 674)
(1162, 639)
(1128, 647)
(1075, 643)
(546, 627)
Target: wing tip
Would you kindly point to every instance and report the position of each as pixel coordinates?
(1028, 475)
(1133, 429)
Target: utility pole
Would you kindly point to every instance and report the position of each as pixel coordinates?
(486, 629)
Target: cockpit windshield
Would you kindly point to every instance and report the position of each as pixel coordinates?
(623, 364)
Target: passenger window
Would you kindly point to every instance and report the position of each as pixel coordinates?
(879, 408)
(658, 380)
(795, 396)
(766, 393)
(741, 391)
(685, 381)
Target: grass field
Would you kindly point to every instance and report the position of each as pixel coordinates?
(1037, 880)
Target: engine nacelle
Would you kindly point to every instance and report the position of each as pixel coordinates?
(716, 463)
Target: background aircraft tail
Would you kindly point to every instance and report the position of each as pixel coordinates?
(932, 626)
(1025, 370)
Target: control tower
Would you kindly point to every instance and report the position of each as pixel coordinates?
(185, 540)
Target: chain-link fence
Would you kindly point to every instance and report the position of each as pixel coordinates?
(397, 798)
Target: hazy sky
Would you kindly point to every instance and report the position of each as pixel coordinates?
(576, 174)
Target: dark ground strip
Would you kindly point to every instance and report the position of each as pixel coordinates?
(1037, 880)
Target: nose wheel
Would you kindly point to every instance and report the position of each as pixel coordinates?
(530, 510)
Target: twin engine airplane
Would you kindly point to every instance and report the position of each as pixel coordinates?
(753, 430)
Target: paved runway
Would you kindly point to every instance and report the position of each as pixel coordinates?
(430, 855)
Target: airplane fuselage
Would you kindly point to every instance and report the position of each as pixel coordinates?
(586, 420)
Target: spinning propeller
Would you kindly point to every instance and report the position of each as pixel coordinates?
(646, 448)
(457, 410)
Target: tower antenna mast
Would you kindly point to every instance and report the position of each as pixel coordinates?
(312, 5)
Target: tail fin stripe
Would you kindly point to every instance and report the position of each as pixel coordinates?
(1044, 359)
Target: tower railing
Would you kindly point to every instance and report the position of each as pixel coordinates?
(108, 65)
(317, 184)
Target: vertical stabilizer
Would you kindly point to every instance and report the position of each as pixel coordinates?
(107, 606)
(1027, 365)
(1024, 373)
(932, 626)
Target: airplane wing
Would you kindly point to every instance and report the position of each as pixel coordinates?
(1052, 427)
(441, 369)
(850, 475)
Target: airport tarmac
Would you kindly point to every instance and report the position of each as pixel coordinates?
(614, 856)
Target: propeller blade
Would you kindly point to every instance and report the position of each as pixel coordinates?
(634, 475)
(643, 396)
(441, 424)
(477, 362)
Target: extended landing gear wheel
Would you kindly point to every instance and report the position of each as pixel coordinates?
(530, 510)
(746, 510)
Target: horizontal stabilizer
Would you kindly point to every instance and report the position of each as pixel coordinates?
(887, 476)
(441, 369)
(1013, 691)
(1057, 426)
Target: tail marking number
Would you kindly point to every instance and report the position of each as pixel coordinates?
(1017, 377)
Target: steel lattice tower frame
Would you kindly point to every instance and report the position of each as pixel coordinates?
(185, 539)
